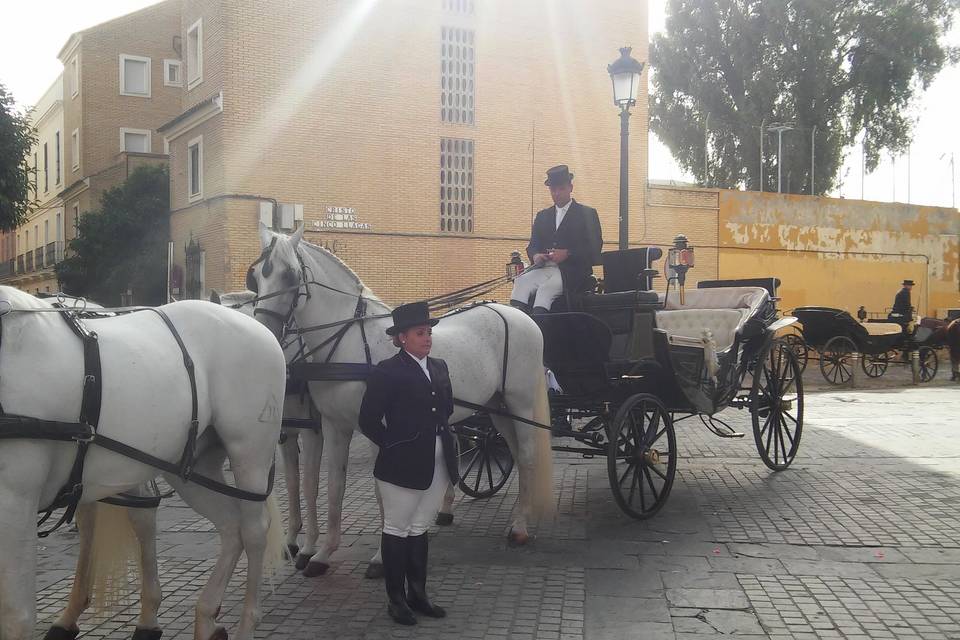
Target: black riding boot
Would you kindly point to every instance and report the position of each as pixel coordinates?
(393, 549)
(523, 306)
(417, 598)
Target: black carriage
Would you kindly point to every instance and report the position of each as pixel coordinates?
(833, 336)
(632, 363)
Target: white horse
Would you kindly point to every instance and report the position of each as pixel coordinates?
(472, 343)
(298, 406)
(146, 404)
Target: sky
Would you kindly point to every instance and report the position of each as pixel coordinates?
(33, 31)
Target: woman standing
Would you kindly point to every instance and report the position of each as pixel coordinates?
(404, 412)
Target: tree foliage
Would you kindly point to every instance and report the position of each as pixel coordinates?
(16, 185)
(846, 67)
(123, 245)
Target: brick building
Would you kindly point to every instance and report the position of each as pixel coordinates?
(409, 136)
(121, 80)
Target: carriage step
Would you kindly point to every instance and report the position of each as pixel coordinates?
(720, 428)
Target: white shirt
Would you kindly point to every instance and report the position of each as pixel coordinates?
(562, 211)
(422, 363)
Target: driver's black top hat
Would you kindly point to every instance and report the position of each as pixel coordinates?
(559, 174)
(908, 283)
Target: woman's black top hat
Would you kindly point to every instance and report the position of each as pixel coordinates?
(559, 174)
(410, 315)
(908, 283)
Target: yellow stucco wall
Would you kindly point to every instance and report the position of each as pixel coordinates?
(841, 253)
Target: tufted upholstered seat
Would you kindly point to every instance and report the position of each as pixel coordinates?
(691, 323)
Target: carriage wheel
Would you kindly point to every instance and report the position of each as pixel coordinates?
(928, 364)
(799, 348)
(776, 406)
(875, 365)
(835, 360)
(484, 458)
(641, 455)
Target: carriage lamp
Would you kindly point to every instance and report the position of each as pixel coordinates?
(515, 267)
(679, 261)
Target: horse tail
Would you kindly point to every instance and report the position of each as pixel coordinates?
(275, 555)
(114, 556)
(542, 499)
(953, 339)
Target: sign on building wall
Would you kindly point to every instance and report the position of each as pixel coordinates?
(341, 218)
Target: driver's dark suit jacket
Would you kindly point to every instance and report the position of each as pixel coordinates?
(579, 233)
(403, 412)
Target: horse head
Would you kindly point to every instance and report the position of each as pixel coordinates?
(277, 279)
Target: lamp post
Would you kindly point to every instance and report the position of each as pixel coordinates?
(625, 76)
(780, 127)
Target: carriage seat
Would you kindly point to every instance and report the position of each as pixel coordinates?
(882, 328)
(691, 323)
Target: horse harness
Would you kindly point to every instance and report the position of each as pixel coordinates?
(84, 431)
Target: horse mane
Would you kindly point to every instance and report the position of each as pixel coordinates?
(320, 252)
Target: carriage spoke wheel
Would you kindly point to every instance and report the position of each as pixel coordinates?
(836, 360)
(875, 365)
(641, 455)
(799, 348)
(928, 364)
(485, 461)
(776, 406)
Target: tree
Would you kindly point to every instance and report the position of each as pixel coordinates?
(123, 245)
(16, 185)
(845, 67)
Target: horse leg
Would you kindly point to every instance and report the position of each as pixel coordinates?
(339, 438)
(445, 516)
(312, 454)
(254, 524)
(291, 475)
(224, 513)
(18, 564)
(519, 533)
(144, 523)
(66, 626)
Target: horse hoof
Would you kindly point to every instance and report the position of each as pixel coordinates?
(219, 634)
(302, 561)
(518, 539)
(444, 519)
(59, 633)
(147, 634)
(293, 549)
(374, 571)
(315, 569)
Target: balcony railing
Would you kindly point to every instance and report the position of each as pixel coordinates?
(28, 260)
(20, 265)
(38, 259)
(54, 253)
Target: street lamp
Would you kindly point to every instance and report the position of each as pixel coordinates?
(953, 181)
(625, 76)
(780, 127)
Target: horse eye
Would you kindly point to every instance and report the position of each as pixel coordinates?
(290, 277)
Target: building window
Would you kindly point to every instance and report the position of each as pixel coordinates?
(56, 151)
(46, 169)
(195, 169)
(134, 76)
(195, 54)
(171, 73)
(456, 75)
(196, 265)
(136, 140)
(459, 6)
(76, 215)
(74, 76)
(75, 149)
(456, 185)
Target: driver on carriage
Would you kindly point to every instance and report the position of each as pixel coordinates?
(565, 243)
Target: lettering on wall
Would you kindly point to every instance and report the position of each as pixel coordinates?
(333, 246)
(341, 218)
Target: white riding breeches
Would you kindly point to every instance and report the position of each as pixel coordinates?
(410, 512)
(547, 282)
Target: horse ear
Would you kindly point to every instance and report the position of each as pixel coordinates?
(214, 296)
(297, 237)
(266, 236)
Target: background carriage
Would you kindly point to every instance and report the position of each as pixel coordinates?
(833, 336)
(631, 364)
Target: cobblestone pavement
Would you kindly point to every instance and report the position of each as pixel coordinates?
(859, 539)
